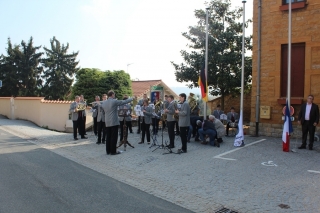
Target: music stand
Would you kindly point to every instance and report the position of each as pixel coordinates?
(154, 134)
(123, 113)
(164, 145)
(139, 113)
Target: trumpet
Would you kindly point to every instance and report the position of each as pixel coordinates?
(96, 103)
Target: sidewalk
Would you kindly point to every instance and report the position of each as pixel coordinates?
(256, 178)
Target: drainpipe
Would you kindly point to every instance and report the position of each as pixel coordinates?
(258, 70)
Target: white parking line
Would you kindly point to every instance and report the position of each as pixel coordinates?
(236, 149)
(313, 171)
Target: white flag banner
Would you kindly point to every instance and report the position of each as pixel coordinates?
(239, 140)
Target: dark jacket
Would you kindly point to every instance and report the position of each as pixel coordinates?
(314, 113)
(208, 125)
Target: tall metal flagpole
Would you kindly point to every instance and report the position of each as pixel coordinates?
(206, 63)
(239, 140)
(289, 58)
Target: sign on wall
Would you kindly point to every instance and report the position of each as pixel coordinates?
(156, 93)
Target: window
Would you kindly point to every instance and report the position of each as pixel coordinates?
(296, 4)
(297, 69)
(293, 1)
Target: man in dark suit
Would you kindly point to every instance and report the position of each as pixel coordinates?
(308, 118)
(232, 117)
(110, 107)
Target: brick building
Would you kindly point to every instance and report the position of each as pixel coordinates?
(274, 53)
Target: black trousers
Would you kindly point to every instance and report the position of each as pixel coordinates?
(307, 127)
(139, 124)
(95, 125)
(228, 126)
(184, 135)
(129, 124)
(121, 129)
(155, 125)
(84, 124)
(171, 125)
(78, 127)
(101, 129)
(112, 138)
(145, 128)
(164, 124)
(177, 127)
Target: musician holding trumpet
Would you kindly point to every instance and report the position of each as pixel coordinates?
(77, 115)
(146, 121)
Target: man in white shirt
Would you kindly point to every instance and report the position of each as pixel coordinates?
(309, 119)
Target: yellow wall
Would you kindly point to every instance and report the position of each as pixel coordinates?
(48, 114)
(274, 33)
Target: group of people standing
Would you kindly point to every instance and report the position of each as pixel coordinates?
(175, 116)
(107, 121)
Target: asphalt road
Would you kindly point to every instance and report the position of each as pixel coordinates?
(33, 179)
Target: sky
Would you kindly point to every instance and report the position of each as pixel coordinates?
(141, 37)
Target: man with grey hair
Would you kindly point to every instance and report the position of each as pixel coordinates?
(218, 125)
(208, 129)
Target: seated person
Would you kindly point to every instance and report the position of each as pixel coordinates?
(218, 125)
(232, 120)
(208, 129)
(217, 112)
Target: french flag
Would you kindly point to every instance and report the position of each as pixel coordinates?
(287, 129)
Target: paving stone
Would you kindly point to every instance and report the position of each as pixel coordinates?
(196, 180)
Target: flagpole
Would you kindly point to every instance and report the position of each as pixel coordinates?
(286, 143)
(242, 68)
(239, 140)
(289, 58)
(206, 64)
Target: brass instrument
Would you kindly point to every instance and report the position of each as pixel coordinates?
(157, 107)
(192, 102)
(81, 106)
(164, 114)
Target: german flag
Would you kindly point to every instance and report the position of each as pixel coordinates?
(202, 82)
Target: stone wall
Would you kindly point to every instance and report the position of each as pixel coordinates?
(274, 130)
(274, 33)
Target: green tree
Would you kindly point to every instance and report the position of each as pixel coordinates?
(29, 69)
(21, 70)
(92, 82)
(8, 72)
(59, 70)
(224, 51)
